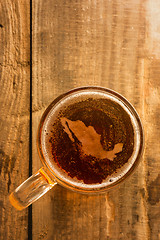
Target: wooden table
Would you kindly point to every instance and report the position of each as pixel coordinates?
(46, 48)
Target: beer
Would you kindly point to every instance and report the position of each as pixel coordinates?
(88, 138)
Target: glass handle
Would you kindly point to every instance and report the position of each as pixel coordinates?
(31, 189)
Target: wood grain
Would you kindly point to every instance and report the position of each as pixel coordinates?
(14, 114)
(152, 117)
(113, 44)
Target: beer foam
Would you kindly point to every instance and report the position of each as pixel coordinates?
(52, 117)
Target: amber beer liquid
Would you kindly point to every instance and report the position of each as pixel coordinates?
(89, 138)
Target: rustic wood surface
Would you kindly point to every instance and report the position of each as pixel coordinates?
(14, 112)
(114, 44)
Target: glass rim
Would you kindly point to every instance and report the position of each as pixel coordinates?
(102, 189)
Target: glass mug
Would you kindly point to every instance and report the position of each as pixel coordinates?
(89, 140)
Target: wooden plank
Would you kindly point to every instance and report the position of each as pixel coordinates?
(113, 44)
(14, 114)
(152, 117)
